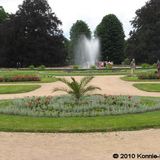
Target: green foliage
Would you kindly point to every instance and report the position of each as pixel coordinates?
(154, 65)
(146, 65)
(42, 67)
(32, 36)
(80, 28)
(148, 75)
(77, 89)
(109, 66)
(143, 44)
(91, 106)
(126, 61)
(31, 67)
(111, 34)
(3, 14)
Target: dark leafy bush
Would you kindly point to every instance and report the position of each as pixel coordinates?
(126, 61)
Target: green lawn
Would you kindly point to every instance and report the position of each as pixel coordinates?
(135, 79)
(47, 80)
(48, 74)
(149, 87)
(9, 89)
(115, 71)
(128, 78)
(89, 124)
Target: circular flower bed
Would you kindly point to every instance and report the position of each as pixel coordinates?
(88, 106)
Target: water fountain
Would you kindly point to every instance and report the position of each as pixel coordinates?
(87, 52)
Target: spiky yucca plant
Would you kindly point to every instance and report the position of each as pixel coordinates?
(77, 89)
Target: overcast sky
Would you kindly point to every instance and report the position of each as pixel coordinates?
(91, 11)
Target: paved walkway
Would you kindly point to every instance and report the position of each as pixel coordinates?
(110, 85)
(94, 146)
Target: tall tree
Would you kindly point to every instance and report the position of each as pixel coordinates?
(111, 34)
(3, 14)
(80, 28)
(3, 29)
(144, 41)
(34, 36)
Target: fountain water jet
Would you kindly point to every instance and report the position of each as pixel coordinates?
(87, 52)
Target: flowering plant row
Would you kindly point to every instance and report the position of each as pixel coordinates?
(19, 78)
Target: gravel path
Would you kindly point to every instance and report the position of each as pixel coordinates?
(97, 146)
(110, 85)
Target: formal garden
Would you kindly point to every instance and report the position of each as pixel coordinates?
(82, 83)
(82, 109)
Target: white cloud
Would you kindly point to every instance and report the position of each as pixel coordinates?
(91, 11)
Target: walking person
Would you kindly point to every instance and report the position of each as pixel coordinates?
(18, 65)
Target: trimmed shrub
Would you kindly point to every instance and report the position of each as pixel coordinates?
(146, 65)
(109, 66)
(31, 67)
(148, 75)
(42, 67)
(154, 65)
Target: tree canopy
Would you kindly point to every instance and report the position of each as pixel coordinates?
(144, 41)
(80, 28)
(32, 36)
(3, 14)
(111, 34)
